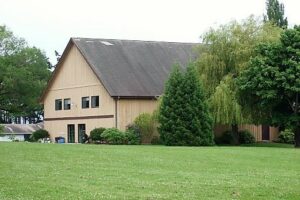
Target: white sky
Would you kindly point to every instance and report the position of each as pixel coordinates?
(48, 24)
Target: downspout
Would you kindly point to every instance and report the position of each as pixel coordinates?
(116, 111)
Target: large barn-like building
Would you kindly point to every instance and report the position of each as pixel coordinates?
(108, 83)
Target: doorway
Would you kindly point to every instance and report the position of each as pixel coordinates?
(71, 133)
(81, 133)
(265, 132)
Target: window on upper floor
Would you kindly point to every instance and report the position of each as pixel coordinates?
(67, 104)
(95, 102)
(85, 102)
(58, 104)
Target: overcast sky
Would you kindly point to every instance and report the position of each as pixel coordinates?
(48, 24)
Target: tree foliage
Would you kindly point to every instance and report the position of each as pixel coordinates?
(225, 53)
(1, 129)
(24, 74)
(224, 103)
(184, 117)
(275, 13)
(147, 125)
(227, 49)
(272, 81)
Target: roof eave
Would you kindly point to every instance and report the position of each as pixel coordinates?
(137, 97)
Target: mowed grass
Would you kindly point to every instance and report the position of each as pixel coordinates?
(54, 171)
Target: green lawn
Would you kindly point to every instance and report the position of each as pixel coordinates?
(54, 171)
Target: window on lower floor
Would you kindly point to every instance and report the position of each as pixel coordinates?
(85, 102)
(58, 104)
(67, 104)
(95, 102)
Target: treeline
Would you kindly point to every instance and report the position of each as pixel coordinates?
(251, 74)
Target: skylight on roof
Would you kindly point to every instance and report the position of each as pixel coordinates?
(106, 43)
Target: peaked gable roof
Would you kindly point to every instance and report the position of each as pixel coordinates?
(131, 68)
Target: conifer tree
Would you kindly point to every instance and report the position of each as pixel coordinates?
(170, 109)
(197, 118)
(184, 117)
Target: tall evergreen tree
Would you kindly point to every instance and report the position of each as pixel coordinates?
(275, 13)
(184, 117)
(171, 108)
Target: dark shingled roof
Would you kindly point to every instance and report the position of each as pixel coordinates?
(130, 68)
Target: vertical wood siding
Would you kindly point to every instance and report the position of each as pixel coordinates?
(256, 130)
(75, 79)
(128, 110)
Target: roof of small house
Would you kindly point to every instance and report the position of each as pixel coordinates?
(132, 68)
(21, 128)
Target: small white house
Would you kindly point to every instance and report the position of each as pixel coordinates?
(19, 132)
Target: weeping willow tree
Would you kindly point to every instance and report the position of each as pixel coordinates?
(224, 54)
(225, 106)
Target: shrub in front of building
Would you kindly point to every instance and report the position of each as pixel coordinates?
(287, 136)
(113, 136)
(246, 137)
(227, 137)
(132, 138)
(39, 134)
(95, 135)
(146, 124)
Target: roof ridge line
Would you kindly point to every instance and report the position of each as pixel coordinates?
(150, 41)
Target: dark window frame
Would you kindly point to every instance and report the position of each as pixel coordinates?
(85, 105)
(81, 133)
(71, 133)
(95, 101)
(58, 104)
(69, 105)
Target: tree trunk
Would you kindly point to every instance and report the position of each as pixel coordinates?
(297, 132)
(235, 132)
(297, 136)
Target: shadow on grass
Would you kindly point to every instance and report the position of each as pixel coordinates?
(269, 144)
(260, 144)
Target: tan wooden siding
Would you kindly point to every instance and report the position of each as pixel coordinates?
(59, 128)
(75, 80)
(128, 110)
(255, 130)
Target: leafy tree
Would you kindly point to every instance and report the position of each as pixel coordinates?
(275, 13)
(224, 54)
(24, 74)
(272, 81)
(225, 106)
(183, 116)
